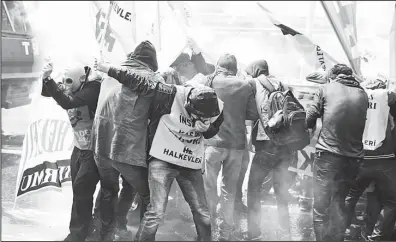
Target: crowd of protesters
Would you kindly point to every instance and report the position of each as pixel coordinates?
(191, 122)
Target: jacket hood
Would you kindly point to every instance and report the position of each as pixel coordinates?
(227, 63)
(145, 52)
(257, 68)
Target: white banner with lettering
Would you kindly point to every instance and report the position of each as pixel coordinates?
(46, 151)
(377, 119)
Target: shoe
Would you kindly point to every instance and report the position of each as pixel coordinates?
(123, 235)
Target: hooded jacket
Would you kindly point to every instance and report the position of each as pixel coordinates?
(260, 71)
(342, 104)
(239, 104)
(120, 125)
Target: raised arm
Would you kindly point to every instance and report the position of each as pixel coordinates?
(138, 80)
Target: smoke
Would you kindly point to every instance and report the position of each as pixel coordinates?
(63, 31)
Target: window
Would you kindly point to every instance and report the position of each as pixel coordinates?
(5, 21)
(15, 11)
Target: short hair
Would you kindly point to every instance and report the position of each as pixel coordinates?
(339, 69)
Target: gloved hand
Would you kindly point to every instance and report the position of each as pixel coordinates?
(201, 127)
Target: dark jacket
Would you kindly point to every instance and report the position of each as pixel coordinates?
(342, 105)
(120, 125)
(239, 106)
(161, 96)
(80, 106)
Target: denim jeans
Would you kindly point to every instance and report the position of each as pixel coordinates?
(239, 208)
(124, 204)
(263, 163)
(334, 175)
(84, 175)
(109, 172)
(231, 160)
(382, 172)
(161, 176)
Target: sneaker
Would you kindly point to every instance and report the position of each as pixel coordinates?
(123, 235)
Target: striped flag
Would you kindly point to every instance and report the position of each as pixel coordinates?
(312, 53)
(392, 50)
(342, 15)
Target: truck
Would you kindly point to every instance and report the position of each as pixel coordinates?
(19, 52)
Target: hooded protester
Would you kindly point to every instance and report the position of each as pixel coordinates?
(119, 136)
(379, 166)
(268, 158)
(227, 148)
(78, 94)
(183, 117)
(342, 105)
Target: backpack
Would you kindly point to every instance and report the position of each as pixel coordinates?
(286, 118)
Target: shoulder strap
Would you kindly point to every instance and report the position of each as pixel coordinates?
(267, 85)
(209, 81)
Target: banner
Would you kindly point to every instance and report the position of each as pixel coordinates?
(342, 15)
(314, 56)
(46, 151)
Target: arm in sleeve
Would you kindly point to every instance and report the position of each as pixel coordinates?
(251, 110)
(140, 82)
(214, 127)
(87, 96)
(315, 111)
(200, 63)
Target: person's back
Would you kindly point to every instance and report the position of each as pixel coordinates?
(342, 105)
(344, 115)
(235, 93)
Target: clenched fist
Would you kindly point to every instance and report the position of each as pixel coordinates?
(201, 126)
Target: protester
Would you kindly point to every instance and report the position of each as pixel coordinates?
(183, 116)
(119, 136)
(342, 106)
(268, 157)
(226, 149)
(78, 95)
(379, 166)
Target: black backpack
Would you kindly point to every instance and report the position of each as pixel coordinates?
(286, 124)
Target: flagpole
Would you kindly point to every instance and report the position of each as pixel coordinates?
(339, 37)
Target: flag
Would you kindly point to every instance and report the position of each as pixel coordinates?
(313, 55)
(392, 50)
(342, 15)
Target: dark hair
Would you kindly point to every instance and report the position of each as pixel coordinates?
(340, 69)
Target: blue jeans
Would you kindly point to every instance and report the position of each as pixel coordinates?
(264, 162)
(231, 160)
(161, 176)
(334, 175)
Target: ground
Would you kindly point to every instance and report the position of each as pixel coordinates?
(37, 217)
